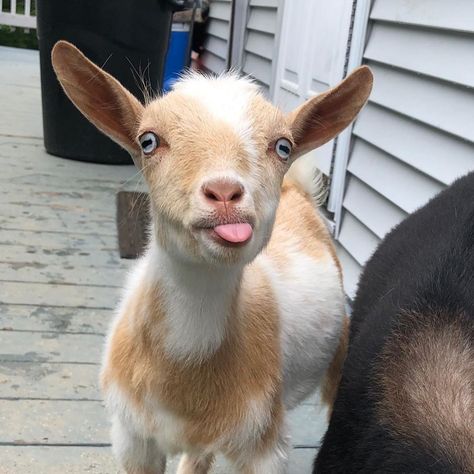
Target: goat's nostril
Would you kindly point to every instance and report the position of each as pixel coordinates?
(223, 191)
(211, 194)
(236, 195)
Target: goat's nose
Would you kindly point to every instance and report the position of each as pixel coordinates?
(222, 191)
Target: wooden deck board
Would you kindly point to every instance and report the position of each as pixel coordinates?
(65, 214)
(20, 380)
(59, 295)
(69, 256)
(54, 319)
(59, 282)
(58, 240)
(27, 347)
(53, 422)
(95, 460)
(57, 460)
(52, 222)
(61, 274)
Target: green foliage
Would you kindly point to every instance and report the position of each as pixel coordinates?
(18, 37)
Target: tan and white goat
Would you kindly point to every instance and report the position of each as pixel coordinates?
(234, 314)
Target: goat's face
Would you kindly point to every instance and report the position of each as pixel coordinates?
(213, 151)
(214, 154)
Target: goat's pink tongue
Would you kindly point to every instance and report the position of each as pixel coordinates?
(234, 232)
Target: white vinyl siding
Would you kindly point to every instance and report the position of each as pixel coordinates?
(216, 44)
(311, 58)
(259, 41)
(454, 15)
(416, 135)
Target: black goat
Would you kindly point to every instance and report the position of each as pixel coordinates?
(406, 399)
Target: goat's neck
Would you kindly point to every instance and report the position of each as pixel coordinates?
(198, 302)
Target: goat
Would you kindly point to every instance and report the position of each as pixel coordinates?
(235, 312)
(406, 399)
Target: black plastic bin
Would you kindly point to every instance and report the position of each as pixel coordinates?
(125, 37)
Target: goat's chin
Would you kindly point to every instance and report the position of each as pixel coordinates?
(218, 253)
(199, 249)
(200, 246)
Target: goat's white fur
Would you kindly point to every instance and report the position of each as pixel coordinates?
(226, 98)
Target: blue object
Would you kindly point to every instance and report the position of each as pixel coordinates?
(176, 57)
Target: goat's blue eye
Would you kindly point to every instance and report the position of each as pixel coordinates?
(283, 148)
(149, 142)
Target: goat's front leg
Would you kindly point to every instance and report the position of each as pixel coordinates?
(273, 459)
(137, 454)
(195, 464)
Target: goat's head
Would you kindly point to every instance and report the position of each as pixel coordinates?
(213, 151)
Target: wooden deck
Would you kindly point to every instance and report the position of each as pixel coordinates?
(60, 276)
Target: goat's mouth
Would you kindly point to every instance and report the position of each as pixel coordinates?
(232, 235)
(228, 234)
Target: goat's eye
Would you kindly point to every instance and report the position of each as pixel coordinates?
(149, 142)
(283, 148)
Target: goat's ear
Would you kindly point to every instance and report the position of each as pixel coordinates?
(99, 96)
(324, 116)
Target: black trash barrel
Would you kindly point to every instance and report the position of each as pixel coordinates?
(128, 38)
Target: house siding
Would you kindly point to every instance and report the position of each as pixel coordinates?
(416, 134)
(255, 41)
(216, 44)
(259, 41)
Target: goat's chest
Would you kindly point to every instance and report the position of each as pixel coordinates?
(229, 392)
(174, 434)
(229, 396)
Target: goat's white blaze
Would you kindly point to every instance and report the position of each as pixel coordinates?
(228, 98)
